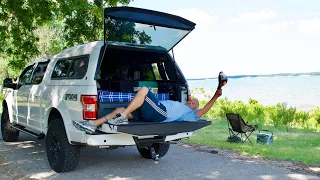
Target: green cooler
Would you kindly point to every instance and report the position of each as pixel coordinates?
(152, 85)
(265, 137)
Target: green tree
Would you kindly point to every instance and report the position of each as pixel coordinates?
(22, 22)
(316, 115)
(125, 31)
(18, 20)
(51, 38)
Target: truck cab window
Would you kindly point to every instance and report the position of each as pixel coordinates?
(25, 76)
(39, 73)
(73, 68)
(78, 68)
(61, 68)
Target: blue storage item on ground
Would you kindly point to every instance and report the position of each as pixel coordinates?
(106, 96)
(265, 137)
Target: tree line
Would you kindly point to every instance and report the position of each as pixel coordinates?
(36, 28)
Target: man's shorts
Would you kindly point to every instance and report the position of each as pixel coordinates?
(151, 110)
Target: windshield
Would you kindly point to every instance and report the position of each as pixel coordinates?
(137, 33)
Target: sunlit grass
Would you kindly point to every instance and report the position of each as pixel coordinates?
(301, 146)
(279, 115)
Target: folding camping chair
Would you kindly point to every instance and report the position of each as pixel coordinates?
(237, 126)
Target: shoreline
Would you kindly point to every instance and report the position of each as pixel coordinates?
(207, 93)
(261, 76)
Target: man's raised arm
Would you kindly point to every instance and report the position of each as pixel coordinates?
(207, 107)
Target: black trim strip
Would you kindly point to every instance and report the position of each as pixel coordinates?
(78, 143)
(149, 141)
(108, 11)
(26, 131)
(134, 48)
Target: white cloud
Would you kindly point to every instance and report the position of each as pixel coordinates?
(309, 25)
(253, 17)
(195, 15)
(302, 26)
(276, 27)
(242, 48)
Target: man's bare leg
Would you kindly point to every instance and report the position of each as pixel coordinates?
(137, 101)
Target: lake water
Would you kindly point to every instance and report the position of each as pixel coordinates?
(302, 92)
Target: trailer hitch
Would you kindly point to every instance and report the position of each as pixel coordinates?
(154, 154)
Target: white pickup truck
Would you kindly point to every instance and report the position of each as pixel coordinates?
(88, 81)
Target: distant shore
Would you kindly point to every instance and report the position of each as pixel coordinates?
(207, 93)
(263, 75)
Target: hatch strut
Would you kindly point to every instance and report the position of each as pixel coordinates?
(172, 54)
(104, 31)
(175, 65)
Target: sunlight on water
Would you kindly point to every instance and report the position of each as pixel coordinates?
(302, 92)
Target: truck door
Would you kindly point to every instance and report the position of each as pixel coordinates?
(35, 109)
(22, 94)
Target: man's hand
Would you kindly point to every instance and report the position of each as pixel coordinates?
(218, 93)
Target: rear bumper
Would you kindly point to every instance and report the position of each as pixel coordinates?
(138, 133)
(121, 139)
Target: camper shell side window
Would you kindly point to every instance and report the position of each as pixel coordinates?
(71, 68)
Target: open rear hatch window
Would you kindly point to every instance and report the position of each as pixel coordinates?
(145, 27)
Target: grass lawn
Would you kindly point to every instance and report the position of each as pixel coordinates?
(302, 146)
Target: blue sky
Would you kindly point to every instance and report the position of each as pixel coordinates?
(245, 36)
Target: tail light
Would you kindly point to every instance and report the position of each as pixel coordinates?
(89, 107)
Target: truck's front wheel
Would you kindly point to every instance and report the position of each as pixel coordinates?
(62, 156)
(9, 134)
(161, 148)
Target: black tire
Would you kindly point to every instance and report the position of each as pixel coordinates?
(9, 134)
(162, 148)
(62, 156)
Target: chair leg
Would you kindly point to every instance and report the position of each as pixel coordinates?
(231, 133)
(247, 137)
(234, 134)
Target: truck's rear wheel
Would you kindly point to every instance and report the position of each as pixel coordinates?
(162, 148)
(9, 134)
(62, 156)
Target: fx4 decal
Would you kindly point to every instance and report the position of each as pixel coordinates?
(71, 97)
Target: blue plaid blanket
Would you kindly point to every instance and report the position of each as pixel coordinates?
(105, 96)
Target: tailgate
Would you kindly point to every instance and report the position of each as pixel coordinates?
(155, 128)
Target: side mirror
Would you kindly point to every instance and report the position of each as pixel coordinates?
(7, 82)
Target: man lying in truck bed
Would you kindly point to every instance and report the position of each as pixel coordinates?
(146, 107)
